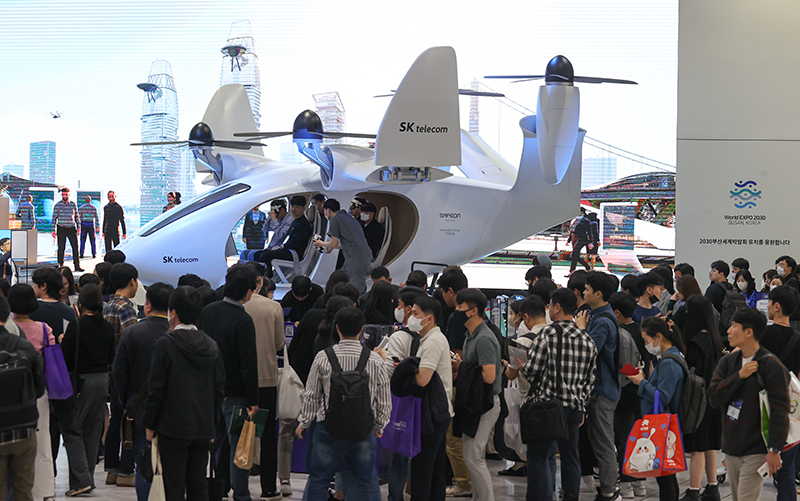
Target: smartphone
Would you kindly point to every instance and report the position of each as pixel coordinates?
(764, 470)
(384, 342)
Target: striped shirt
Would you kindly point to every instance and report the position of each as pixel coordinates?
(66, 214)
(88, 214)
(577, 366)
(280, 227)
(315, 400)
(27, 214)
(18, 435)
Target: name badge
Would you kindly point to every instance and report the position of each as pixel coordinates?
(734, 409)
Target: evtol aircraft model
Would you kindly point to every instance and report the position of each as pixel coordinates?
(432, 218)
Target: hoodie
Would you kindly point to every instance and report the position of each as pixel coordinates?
(187, 386)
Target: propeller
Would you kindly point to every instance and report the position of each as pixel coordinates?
(307, 126)
(461, 92)
(559, 69)
(201, 137)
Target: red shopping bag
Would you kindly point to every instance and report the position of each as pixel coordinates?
(655, 445)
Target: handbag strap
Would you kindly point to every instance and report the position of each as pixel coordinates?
(789, 347)
(45, 340)
(155, 457)
(140, 396)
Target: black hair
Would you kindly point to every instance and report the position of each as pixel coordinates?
(349, 321)
(4, 309)
(409, 298)
(381, 300)
(473, 298)
(790, 262)
(646, 280)
(301, 286)
(269, 285)
(417, 278)
(369, 207)
(533, 306)
(102, 270)
(114, 256)
(335, 278)
(22, 299)
(665, 272)
(187, 303)
(577, 281)
(722, 267)
(606, 283)
(334, 304)
(566, 299)
(278, 202)
(4, 240)
(319, 197)
(685, 269)
(748, 277)
(207, 294)
(158, 296)
(121, 275)
(787, 297)
(50, 280)
(430, 306)
(88, 278)
(624, 302)
(453, 278)
(298, 200)
(628, 284)
(4, 286)
(347, 290)
(332, 204)
(258, 268)
(515, 306)
(700, 317)
(543, 288)
(238, 281)
(741, 263)
(91, 299)
(750, 318)
(653, 326)
(67, 273)
(380, 272)
(191, 280)
(538, 272)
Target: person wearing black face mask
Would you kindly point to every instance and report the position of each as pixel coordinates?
(534, 274)
(651, 285)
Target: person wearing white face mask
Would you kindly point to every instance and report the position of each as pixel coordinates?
(373, 230)
(667, 378)
(786, 267)
(747, 286)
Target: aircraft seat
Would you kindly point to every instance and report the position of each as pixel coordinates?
(286, 269)
(385, 219)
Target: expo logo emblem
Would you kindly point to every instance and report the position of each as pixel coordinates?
(745, 194)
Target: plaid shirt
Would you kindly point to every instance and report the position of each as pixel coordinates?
(120, 313)
(318, 386)
(66, 214)
(88, 214)
(10, 437)
(578, 354)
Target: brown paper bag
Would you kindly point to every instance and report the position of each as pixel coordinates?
(245, 450)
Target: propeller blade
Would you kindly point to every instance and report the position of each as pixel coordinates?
(160, 143)
(478, 93)
(337, 135)
(604, 80)
(237, 145)
(531, 77)
(384, 95)
(262, 135)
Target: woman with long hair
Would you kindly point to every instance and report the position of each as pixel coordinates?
(686, 287)
(747, 286)
(767, 277)
(667, 378)
(380, 304)
(703, 351)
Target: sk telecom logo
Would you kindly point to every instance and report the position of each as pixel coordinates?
(745, 194)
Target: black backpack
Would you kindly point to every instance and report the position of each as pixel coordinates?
(692, 405)
(17, 389)
(733, 300)
(583, 229)
(349, 413)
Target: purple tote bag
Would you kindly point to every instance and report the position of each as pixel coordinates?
(56, 376)
(402, 434)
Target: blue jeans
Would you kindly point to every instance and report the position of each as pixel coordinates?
(240, 479)
(87, 230)
(398, 474)
(328, 453)
(785, 476)
(541, 464)
(142, 486)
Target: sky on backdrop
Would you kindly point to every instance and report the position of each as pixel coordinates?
(84, 59)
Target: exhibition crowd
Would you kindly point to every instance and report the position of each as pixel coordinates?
(194, 373)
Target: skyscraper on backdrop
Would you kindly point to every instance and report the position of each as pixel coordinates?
(240, 64)
(43, 162)
(160, 167)
(15, 169)
(331, 111)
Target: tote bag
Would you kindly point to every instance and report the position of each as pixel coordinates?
(655, 445)
(157, 492)
(290, 391)
(56, 376)
(403, 433)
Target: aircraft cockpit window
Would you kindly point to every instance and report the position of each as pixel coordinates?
(202, 201)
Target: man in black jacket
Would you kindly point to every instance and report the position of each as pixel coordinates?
(296, 238)
(186, 388)
(132, 366)
(113, 217)
(228, 324)
(18, 425)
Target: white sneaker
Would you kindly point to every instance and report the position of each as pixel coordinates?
(626, 490)
(286, 488)
(639, 490)
(457, 492)
(587, 484)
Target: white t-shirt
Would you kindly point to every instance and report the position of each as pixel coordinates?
(746, 360)
(524, 385)
(434, 353)
(399, 346)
